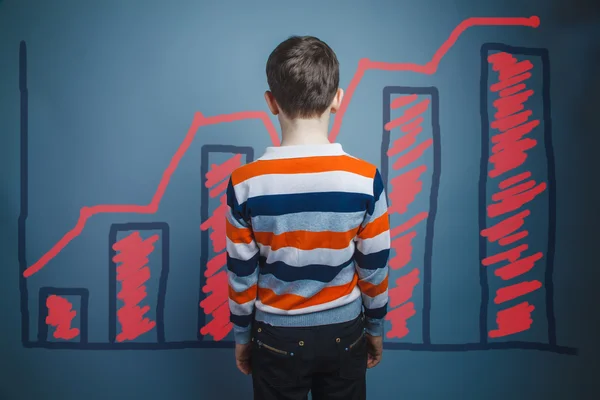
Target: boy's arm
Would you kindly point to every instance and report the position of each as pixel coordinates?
(371, 257)
(242, 267)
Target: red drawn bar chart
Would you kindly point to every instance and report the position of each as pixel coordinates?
(516, 219)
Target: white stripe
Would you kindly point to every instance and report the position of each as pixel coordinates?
(377, 301)
(241, 309)
(298, 258)
(311, 221)
(374, 244)
(241, 251)
(317, 182)
(349, 298)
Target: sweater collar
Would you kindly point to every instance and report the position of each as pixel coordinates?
(303, 150)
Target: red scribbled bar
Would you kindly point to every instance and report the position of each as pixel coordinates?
(60, 316)
(514, 137)
(133, 272)
(216, 303)
(513, 320)
(405, 153)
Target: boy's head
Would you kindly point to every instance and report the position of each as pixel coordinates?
(303, 76)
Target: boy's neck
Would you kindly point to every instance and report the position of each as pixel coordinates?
(304, 131)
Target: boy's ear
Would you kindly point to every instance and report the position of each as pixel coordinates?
(337, 101)
(271, 103)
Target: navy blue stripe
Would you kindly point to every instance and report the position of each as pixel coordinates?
(314, 272)
(238, 211)
(240, 320)
(242, 268)
(373, 260)
(377, 185)
(305, 202)
(376, 313)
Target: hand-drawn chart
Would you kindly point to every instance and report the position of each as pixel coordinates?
(516, 220)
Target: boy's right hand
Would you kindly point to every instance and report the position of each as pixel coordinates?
(374, 350)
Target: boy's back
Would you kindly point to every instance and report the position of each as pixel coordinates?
(307, 249)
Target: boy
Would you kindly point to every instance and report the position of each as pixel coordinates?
(307, 244)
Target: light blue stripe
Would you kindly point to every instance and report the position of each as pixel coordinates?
(336, 315)
(374, 277)
(241, 283)
(308, 221)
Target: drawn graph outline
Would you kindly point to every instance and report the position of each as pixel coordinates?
(199, 120)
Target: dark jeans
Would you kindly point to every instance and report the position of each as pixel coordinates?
(330, 361)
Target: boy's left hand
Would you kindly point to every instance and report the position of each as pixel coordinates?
(242, 358)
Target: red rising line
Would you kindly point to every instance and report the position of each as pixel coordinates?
(430, 67)
(200, 120)
(60, 316)
(517, 290)
(133, 272)
(513, 320)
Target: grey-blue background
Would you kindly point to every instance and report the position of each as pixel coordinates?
(113, 88)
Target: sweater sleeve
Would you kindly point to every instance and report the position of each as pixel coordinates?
(242, 267)
(371, 258)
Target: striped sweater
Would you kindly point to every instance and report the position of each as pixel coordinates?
(308, 240)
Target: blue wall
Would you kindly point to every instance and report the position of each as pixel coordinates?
(113, 87)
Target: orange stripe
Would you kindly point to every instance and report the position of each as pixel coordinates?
(290, 301)
(302, 166)
(238, 235)
(306, 240)
(376, 227)
(243, 297)
(373, 290)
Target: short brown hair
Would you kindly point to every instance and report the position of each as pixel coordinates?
(303, 74)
